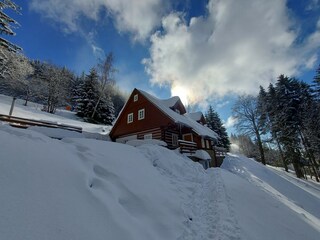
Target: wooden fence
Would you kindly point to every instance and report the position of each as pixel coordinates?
(25, 123)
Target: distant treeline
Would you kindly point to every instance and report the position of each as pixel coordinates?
(284, 122)
(94, 96)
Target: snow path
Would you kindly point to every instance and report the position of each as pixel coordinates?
(212, 214)
(220, 212)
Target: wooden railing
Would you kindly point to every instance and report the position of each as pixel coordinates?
(187, 147)
(220, 151)
(25, 123)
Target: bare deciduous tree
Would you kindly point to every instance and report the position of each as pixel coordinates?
(245, 110)
(106, 77)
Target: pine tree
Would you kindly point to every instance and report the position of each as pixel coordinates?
(76, 90)
(316, 81)
(5, 24)
(270, 103)
(214, 123)
(105, 111)
(88, 96)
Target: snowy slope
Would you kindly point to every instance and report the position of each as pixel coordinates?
(82, 189)
(90, 189)
(33, 111)
(275, 207)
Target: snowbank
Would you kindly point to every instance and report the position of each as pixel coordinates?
(33, 111)
(80, 188)
(138, 142)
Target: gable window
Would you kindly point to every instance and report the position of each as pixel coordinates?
(135, 98)
(141, 114)
(174, 140)
(130, 118)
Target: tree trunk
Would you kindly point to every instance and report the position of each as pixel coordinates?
(285, 165)
(95, 107)
(310, 155)
(296, 163)
(263, 160)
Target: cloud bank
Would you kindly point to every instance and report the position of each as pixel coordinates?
(136, 17)
(236, 47)
(233, 48)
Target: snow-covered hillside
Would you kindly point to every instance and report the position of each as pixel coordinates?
(78, 188)
(90, 189)
(33, 111)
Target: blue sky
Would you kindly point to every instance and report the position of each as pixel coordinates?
(205, 51)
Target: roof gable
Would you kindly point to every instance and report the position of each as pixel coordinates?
(178, 118)
(197, 116)
(121, 126)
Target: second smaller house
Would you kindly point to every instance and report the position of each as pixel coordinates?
(147, 117)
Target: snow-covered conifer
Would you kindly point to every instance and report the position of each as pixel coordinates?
(214, 123)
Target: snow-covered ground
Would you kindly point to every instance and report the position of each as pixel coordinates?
(33, 111)
(78, 188)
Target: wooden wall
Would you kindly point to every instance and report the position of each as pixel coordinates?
(154, 118)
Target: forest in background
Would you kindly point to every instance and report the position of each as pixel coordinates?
(281, 126)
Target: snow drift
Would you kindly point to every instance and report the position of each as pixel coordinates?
(81, 188)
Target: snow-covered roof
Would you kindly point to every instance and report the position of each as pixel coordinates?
(171, 101)
(177, 118)
(196, 116)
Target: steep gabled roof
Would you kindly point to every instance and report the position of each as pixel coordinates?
(170, 102)
(177, 118)
(196, 116)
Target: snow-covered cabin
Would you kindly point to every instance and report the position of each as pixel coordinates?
(147, 117)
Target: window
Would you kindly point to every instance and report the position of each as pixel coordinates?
(202, 143)
(174, 140)
(141, 114)
(148, 136)
(135, 98)
(188, 137)
(207, 144)
(130, 118)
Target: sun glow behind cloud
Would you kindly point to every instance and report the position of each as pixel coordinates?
(235, 48)
(182, 93)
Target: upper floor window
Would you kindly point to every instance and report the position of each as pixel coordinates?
(130, 118)
(141, 114)
(135, 98)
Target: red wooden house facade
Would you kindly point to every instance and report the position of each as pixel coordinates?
(147, 117)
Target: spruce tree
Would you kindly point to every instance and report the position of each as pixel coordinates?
(5, 24)
(316, 81)
(214, 123)
(88, 96)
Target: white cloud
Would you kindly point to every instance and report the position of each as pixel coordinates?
(231, 121)
(137, 17)
(236, 47)
(222, 104)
